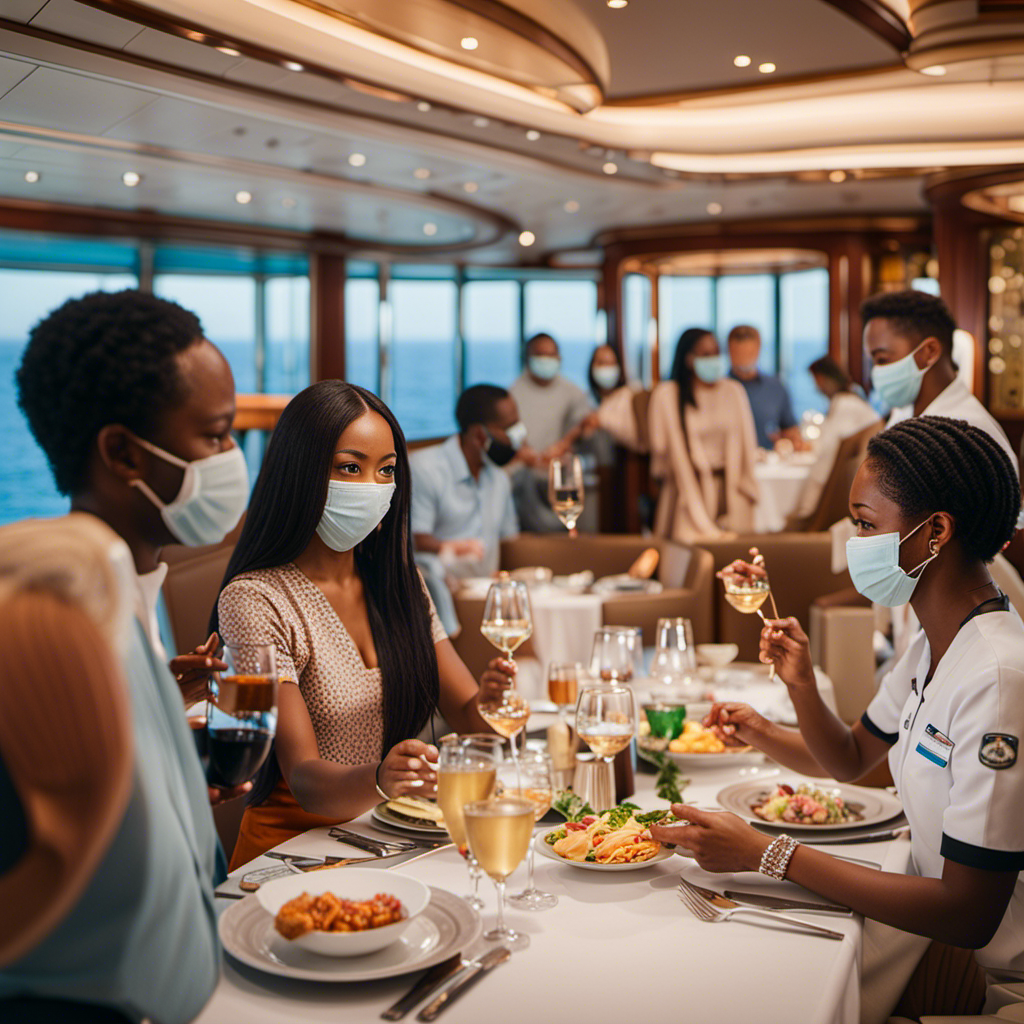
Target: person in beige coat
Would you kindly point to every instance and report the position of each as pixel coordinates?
(703, 445)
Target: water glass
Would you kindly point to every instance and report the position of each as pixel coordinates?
(618, 655)
(674, 665)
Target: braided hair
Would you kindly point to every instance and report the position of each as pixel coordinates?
(934, 464)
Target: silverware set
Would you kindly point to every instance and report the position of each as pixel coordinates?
(384, 847)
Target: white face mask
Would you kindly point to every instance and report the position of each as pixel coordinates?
(606, 376)
(516, 434)
(352, 512)
(874, 564)
(213, 494)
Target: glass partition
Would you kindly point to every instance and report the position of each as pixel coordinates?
(491, 330)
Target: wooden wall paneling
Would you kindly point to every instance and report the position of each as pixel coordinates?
(327, 319)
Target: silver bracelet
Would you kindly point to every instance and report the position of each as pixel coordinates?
(376, 782)
(775, 860)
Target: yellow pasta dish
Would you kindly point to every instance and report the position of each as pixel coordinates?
(695, 739)
(615, 836)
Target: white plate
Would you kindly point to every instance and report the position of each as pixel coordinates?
(626, 584)
(546, 851)
(723, 759)
(874, 805)
(382, 814)
(448, 925)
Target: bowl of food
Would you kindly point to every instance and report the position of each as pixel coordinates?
(717, 655)
(344, 911)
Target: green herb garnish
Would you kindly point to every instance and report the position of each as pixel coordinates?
(669, 782)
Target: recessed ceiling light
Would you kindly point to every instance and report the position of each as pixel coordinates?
(766, 68)
(571, 206)
(714, 209)
(228, 51)
(527, 238)
(837, 176)
(131, 178)
(288, 203)
(742, 61)
(935, 70)
(533, 135)
(423, 106)
(469, 42)
(470, 186)
(356, 159)
(294, 65)
(32, 177)
(610, 168)
(480, 122)
(430, 228)
(617, 5)
(243, 197)
(422, 173)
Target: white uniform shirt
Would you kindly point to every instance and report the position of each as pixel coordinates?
(954, 759)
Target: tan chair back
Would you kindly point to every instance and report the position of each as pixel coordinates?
(842, 645)
(833, 504)
(191, 590)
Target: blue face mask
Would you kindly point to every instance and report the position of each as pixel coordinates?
(710, 369)
(352, 512)
(899, 383)
(874, 564)
(544, 367)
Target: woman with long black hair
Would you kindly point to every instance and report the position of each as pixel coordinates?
(703, 445)
(324, 570)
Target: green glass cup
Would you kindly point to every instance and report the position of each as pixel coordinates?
(666, 720)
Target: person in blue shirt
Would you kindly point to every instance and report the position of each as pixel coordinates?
(462, 504)
(769, 399)
(134, 408)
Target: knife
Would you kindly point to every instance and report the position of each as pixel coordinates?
(867, 837)
(472, 975)
(252, 880)
(758, 899)
(432, 980)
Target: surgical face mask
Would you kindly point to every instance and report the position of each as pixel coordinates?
(500, 453)
(606, 376)
(874, 564)
(352, 512)
(213, 494)
(710, 369)
(544, 367)
(517, 434)
(899, 383)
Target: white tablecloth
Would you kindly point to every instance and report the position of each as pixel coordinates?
(781, 484)
(617, 947)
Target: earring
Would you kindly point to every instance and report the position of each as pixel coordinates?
(933, 547)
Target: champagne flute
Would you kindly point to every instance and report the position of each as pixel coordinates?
(500, 832)
(466, 772)
(534, 781)
(563, 682)
(565, 489)
(618, 654)
(747, 596)
(241, 715)
(606, 719)
(507, 622)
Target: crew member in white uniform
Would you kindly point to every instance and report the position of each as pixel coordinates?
(935, 500)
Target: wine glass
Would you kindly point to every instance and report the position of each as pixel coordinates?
(500, 832)
(507, 622)
(747, 596)
(241, 715)
(606, 719)
(466, 772)
(563, 680)
(534, 781)
(565, 489)
(674, 665)
(618, 654)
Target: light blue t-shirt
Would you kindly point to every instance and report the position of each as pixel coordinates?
(450, 504)
(143, 936)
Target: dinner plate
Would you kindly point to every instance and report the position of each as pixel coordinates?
(545, 851)
(448, 925)
(875, 806)
(712, 759)
(382, 814)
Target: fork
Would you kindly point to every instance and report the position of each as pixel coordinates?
(378, 846)
(700, 908)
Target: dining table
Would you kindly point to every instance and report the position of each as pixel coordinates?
(618, 945)
(780, 482)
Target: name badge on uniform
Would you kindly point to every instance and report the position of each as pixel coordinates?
(998, 750)
(935, 746)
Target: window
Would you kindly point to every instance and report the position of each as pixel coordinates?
(362, 324)
(636, 319)
(567, 310)
(422, 389)
(26, 296)
(749, 299)
(286, 368)
(803, 334)
(490, 316)
(683, 302)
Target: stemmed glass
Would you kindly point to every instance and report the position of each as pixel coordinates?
(563, 680)
(675, 662)
(606, 719)
(466, 772)
(565, 489)
(500, 832)
(534, 781)
(618, 654)
(241, 715)
(747, 593)
(507, 622)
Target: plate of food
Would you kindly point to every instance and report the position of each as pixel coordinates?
(809, 806)
(445, 926)
(612, 840)
(411, 814)
(697, 746)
